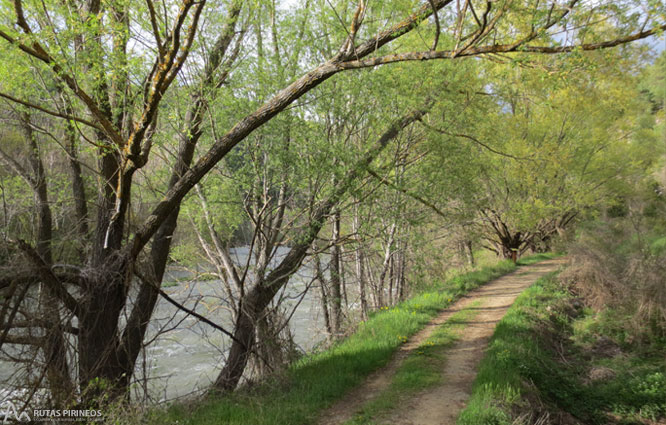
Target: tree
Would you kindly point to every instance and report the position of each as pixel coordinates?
(562, 143)
(110, 71)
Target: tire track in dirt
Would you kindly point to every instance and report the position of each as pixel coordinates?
(441, 405)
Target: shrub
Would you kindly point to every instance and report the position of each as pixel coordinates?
(621, 264)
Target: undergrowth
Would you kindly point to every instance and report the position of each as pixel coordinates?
(552, 360)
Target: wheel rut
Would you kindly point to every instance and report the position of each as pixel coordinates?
(440, 405)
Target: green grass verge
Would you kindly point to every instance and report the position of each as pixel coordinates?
(420, 370)
(526, 261)
(524, 362)
(317, 380)
(499, 384)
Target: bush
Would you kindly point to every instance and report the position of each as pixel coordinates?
(621, 264)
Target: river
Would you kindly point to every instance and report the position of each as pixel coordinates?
(188, 357)
(184, 355)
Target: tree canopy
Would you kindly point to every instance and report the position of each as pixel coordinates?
(317, 126)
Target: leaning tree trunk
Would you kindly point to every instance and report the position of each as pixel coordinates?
(259, 297)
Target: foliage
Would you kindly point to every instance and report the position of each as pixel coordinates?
(151, 132)
(541, 360)
(318, 379)
(548, 146)
(619, 261)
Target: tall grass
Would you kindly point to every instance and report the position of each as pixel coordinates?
(621, 264)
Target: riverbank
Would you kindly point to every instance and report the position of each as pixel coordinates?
(317, 380)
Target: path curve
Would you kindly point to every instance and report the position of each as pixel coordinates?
(442, 404)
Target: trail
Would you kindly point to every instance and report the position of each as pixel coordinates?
(441, 405)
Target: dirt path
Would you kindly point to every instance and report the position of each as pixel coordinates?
(442, 404)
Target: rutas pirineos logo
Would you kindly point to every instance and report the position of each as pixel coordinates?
(9, 413)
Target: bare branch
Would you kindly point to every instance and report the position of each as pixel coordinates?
(155, 27)
(475, 140)
(438, 29)
(189, 311)
(38, 52)
(496, 48)
(50, 112)
(357, 20)
(414, 196)
(47, 275)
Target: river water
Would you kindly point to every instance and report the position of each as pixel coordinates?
(188, 357)
(184, 355)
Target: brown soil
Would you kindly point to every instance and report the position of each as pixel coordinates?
(442, 404)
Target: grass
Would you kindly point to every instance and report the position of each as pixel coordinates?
(512, 350)
(317, 380)
(419, 371)
(526, 261)
(541, 355)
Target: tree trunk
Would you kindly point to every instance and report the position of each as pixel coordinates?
(360, 265)
(76, 175)
(469, 253)
(258, 298)
(465, 252)
(401, 282)
(239, 353)
(137, 324)
(343, 281)
(324, 297)
(388, 251)
(55, 351)
(391, 278)
(334, 267)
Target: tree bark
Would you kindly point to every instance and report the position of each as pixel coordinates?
(54, 347)
(324, 296)
(469, 253)
(388, 251)
(360, 263)
(259, 297)
(334, 267)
